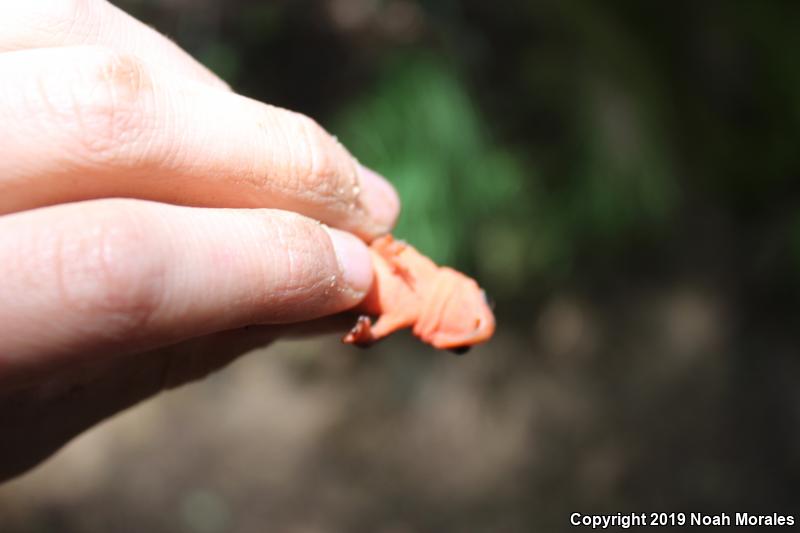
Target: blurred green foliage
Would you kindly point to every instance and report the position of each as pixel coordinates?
(419, 127)
(468, 199)
(472, 200)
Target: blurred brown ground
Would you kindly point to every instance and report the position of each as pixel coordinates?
(316, 437)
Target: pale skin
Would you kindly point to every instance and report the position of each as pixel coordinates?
(154, 225)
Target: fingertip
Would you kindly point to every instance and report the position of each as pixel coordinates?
(379, 198)
(354, 261)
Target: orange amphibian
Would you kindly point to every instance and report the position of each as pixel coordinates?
(446, 308)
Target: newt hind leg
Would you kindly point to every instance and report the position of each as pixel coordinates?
(361, 333)
(365, 333)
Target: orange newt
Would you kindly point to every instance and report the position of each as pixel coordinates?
(446, 308)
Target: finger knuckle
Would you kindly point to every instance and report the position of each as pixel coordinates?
(323, 166)
(109, 269)
(109, 109)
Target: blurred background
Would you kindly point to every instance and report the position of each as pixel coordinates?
(622, 177)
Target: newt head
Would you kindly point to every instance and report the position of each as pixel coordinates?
(457, 314)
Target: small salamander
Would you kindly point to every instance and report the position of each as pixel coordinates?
(446, 309)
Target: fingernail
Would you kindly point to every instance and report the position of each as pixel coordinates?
(354, 260)
(379, 198)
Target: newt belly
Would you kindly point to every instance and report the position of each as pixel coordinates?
(445, 308)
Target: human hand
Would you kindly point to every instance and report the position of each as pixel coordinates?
(106, 301)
